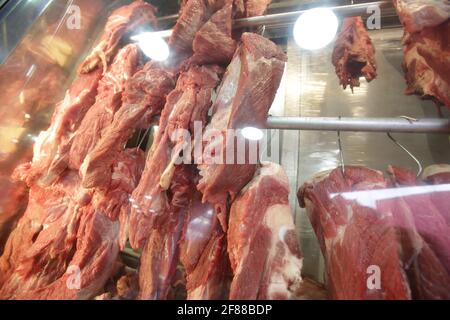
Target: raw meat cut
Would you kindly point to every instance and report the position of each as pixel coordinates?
(144, 96)
(427, 63)
(194, 14)
(135, 17)
(431, 223)
(65, 245)
(243, 99)
(197, 231)
(190, 98)
(161, 254)
(262, 242)
(107, 102)
(353, 54)
(417, 15)
(203, 253)
(52, 146)
(250, 8)
(439, 174)
(256, 7)
(354, 236)
(13, 202)
(213, 42)
(415, 215)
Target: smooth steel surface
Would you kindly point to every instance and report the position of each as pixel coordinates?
(290, 17)
(424, 125)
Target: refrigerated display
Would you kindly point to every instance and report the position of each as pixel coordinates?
(224, 149)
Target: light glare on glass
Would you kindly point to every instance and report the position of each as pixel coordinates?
(315, 28)
(152, 45)
(252, 133)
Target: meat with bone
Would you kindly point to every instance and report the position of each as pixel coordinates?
(427, 63)
(437, 174)
(123, 21)
(417, 15)
(52, 146)
(262, 242)
(144, 96)
(65, 245)
(107, 103)
(353, 54)
(213, 42)
(354, 236)
(192, 96)
(203, 253)
(244, 98)
(160, 255)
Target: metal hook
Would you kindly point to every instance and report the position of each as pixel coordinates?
(341, 153)
(262, 30)
(410, 119)
(143, 136)
(409, 153)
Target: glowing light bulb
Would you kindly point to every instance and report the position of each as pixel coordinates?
(152, 45)
(315, 28)
(252, 133)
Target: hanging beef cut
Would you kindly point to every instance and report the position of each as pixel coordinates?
(423, 233)
(431, 222)
(66, 243)
(203, 253)
(417, 15)
(132, 18)
(144, 96)
(213, 42)
(52, 146)
(194, 14)
(353, 54)
(426, 48)
(353, 235)
(190, 98)
(243, 100)
(107, 103)
(427, 63)
(12, 204)
(364, 221)
(250, 8)
(160, 255)
(262, 241)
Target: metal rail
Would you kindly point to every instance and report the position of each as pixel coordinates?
(290, 17)
(424, 125)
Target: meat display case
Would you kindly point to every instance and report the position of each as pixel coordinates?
(312, 126)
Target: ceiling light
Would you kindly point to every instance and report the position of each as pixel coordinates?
(315, 28)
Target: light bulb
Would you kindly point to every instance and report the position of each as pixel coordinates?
(315, 28)
(152, 45)
(252, 133)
